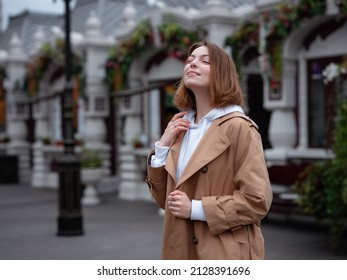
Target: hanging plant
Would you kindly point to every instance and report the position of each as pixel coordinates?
(286, 18)
(35, 69)
(38, 65)
(174, 39)
(279, 24)
(246, 36)
(121, 56)
(54, 55)
(177, 40)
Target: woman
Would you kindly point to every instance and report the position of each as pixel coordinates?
(208, 170)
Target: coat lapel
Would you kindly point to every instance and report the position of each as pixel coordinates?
(204, 153)
(172, 157)
(212, 144)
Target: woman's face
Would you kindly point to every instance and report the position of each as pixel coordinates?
(197, 70)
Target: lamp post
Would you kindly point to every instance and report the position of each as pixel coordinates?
(70, 220)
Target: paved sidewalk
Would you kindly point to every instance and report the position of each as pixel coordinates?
(119, 229)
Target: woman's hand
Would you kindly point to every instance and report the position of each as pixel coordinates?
(179, 204)
(174, 127)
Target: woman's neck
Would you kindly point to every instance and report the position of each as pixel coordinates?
(201, 111)
(202, 101)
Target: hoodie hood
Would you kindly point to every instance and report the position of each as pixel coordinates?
(213, 114)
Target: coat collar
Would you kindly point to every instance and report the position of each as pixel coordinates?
(215, 137)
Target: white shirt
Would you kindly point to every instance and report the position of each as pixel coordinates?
(190, 141)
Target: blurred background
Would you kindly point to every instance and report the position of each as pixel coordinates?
(86, 88)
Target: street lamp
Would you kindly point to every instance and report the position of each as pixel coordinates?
(70, 221)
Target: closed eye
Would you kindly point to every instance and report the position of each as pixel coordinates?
(191, 59)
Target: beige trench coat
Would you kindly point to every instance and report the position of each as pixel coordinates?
(227, 171)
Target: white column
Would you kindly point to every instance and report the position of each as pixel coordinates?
(282, 130)
(216, 17)
(17, 113)
(155, 129)
(40, 114)
(302, 102)
(40, 168)
(133, 121)
(132, 185)
(96, 48)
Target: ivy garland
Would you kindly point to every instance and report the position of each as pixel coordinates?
(121, 56)
(285, 19)
(175, 41)
(246, 35)
(38, 65)
(288, 18)
(54, 55)
(35, 69)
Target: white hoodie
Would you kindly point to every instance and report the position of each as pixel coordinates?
(190, 141)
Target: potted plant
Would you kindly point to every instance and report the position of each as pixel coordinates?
(46, 140)
(91, 173)
(137, 143)
(322, 188)
(5, 139)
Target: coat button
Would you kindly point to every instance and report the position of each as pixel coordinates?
(204, 169)
(195, 240)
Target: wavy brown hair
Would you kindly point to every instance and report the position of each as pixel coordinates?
(224, 81)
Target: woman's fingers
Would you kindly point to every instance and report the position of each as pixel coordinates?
(178, 122)
(174, 127)
(181, 124)
(179, 204)
(179, 115)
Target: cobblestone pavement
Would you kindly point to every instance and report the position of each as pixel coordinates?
(120, 229)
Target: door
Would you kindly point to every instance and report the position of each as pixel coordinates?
(256, 109)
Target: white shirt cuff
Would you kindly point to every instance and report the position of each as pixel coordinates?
(160, 154)
(197, 211)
